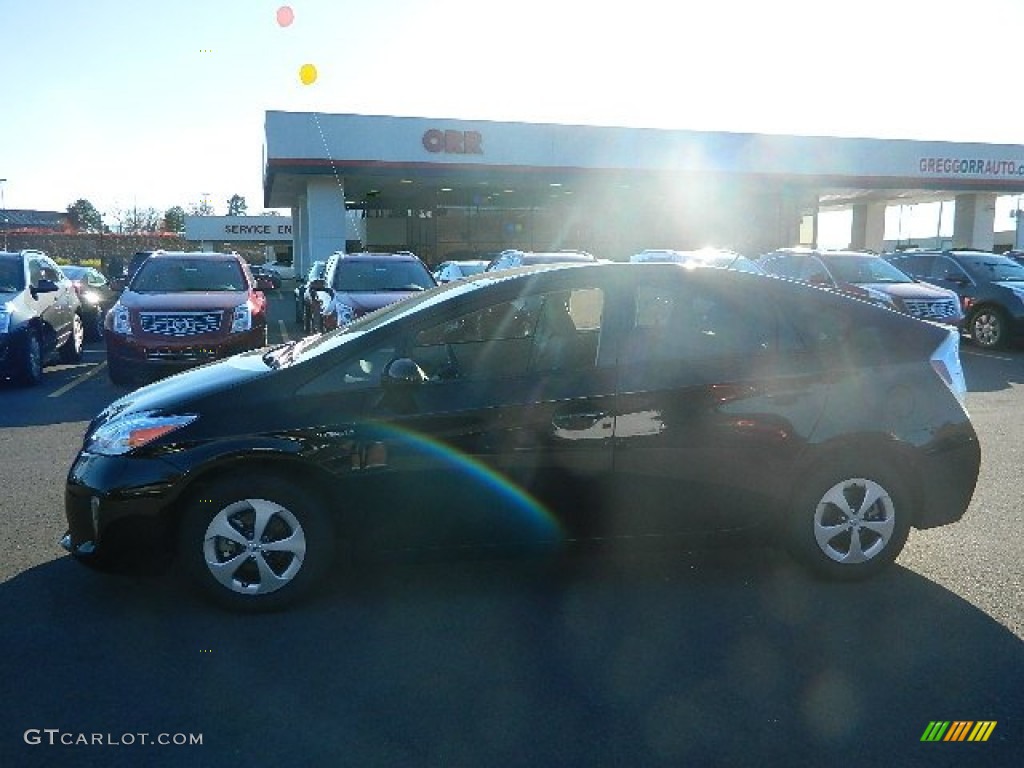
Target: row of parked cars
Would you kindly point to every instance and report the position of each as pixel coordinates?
(167, 312)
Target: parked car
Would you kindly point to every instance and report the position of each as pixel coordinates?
(360, 283)
(266, 280)
(307, 305)
(118, 282)
(40, 316)
(96, 295)
(284, 269)
(512, 258)
(866, 276)
(545, 407)
(990, 287)
(181, 310)
(456, 270)
(704, 257)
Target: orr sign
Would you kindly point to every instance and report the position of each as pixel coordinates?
(451, 142)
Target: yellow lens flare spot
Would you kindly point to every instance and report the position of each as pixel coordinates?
(307, 74)
(285, 15)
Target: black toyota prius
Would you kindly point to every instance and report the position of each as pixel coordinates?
(540, 407)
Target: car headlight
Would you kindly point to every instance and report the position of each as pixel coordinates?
(346, 314)
(121, 322)
(879, 297)
(241, 320)
(125, 434)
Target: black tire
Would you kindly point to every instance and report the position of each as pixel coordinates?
(31, 372)
(989, 327)
(118, 374)
(94, 327)
(222, 533)
(71, 350)
(850, 519)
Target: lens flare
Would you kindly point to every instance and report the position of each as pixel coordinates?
(307, 74)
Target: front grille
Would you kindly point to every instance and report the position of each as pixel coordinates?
(931, 309)
(180, 324)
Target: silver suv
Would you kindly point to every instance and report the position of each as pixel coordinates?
(40, 315)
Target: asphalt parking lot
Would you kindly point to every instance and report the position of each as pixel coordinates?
(714, 656)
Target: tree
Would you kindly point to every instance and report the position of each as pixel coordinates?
(84, 216)
(137, 221)
(237, 206)
(174, 219)
(202, 208)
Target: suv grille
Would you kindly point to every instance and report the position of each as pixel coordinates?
(180, 324)
(931, 309)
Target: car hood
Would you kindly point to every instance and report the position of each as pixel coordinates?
(184, 302)
(909, 290)
(1013, 285)
(364, 303)
(175, 393)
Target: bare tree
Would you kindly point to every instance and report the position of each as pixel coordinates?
(137, 221)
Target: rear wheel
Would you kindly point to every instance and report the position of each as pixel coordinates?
(71, 350)
(255, 543)
(989, 328)
(850, 520)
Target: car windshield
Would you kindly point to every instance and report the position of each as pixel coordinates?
(188, 275)
(553, 258)
(12, 275)
(359, 276)
(863, 269)
(72, 272)
(991, 267)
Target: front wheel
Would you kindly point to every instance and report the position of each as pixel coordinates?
(850, 520)
(253, 543)
(32, 360)
(989, 328)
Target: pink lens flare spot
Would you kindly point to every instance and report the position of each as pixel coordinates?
(285, 15)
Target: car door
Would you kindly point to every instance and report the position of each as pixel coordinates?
(716, 400)
(50, 306)
(499, 436)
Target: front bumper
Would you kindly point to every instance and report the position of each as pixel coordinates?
(116, 506)
(160, 356)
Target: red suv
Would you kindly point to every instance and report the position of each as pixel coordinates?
(181, 310)
(360, 283)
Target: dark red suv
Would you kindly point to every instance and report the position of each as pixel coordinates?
(181, 310)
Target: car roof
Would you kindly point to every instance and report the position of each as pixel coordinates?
(378, 256)
(210, 255)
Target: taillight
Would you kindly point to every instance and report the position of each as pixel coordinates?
(945, 361)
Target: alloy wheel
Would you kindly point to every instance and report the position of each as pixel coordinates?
(254, 547)
(854, 521)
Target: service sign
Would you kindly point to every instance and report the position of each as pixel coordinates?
(249, 229)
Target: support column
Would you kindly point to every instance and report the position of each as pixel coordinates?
(867, 231)
(300, 244)
(974, 221)
(328, 222)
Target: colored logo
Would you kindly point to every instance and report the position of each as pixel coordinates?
(958, 730)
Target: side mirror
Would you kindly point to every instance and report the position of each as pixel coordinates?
(45, 286)
(317, 285)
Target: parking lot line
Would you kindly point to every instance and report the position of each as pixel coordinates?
(984, 354)
(78, 380)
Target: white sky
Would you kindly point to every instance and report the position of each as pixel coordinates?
(154, 104)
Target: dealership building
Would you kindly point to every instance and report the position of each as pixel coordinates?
(450, 188)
